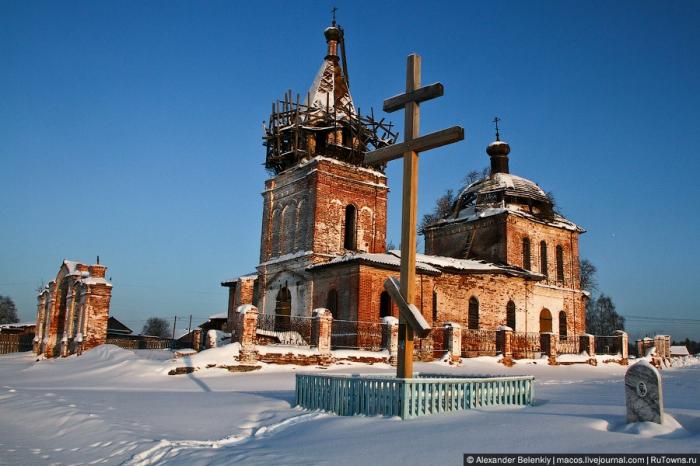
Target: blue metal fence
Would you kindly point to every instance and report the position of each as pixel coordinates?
(424, 395)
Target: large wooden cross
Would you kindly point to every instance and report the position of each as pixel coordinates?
(410, 319)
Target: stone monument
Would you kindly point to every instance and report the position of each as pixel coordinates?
(643, 393)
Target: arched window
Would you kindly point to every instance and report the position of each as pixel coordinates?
(349, 237)
(332, 303)
(562, 324)
(473, 320)
(510, 315)
(435, 307)
(384, 304)
(527, 264)
(545, 321)
(560, 264)
(543, 259)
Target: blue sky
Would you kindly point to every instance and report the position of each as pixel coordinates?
(132, 130)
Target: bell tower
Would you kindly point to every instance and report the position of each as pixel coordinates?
(321, 201)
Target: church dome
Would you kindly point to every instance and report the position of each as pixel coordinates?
(498, 148)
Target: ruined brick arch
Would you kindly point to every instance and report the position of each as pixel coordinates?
(473, 314)
(545, 320)
(563, 331)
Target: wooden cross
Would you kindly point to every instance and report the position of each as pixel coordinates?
(410, 319)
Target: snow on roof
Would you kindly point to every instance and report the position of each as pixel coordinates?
(467, 265)
(18, 325)
(470, 214)
(374, 258)
(679, 351)
(71, 266)
(221, 315)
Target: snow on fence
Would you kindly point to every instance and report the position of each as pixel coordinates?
(426, 394)
(478, 342)
(526, 345)
(569, 344)
(137, 342)
(15, 342)
(607, 344)
(351, 334)
(284, 329)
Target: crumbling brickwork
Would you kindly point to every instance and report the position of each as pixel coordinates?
(73, 310)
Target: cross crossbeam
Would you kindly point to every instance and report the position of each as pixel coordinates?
(403, 292)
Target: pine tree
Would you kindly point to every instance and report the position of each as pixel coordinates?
(8, 311)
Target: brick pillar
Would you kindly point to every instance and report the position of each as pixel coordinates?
(453, 337)
(548, 341)
(65, 351)
(624, 345)
(667, 346)
(587, 345)
(321, 330)
(197, 339)
(504, 344)
(248, 323)
(390, 338)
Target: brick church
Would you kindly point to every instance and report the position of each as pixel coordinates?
(502, 256)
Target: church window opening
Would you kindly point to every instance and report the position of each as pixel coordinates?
(562, 324)
(283, 310)
(510, 315)
(473, 320)
(384, 304)
(545, 321)
(435, 306)
(349, 238)
(332, 303)
(526, 254)
(543, 259)
(560, 264)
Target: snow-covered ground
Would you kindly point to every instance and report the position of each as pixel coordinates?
(114, 406)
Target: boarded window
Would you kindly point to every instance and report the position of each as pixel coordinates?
(562, 324)
(527, 264)
(350, 234)
(510, 315)
(560, 264)
(545, 321)
(473, 321)
(543, 259)
(384, 304)
(332, 303)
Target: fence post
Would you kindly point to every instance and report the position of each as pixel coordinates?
(587, 344)
(321, 325)
(248, 323)
(504, 344)
(197, 339)
(454, 340)
(390, 338)
(624, 340)
(548, 340)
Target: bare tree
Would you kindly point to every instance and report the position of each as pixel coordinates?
(443, 207)
(8, 311)
(602, 317)
(588, 271)
(156, 327)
